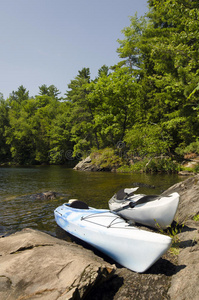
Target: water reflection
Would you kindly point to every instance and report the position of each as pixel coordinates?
(19, 210)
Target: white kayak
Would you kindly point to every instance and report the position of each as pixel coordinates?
(150, 210)
(130, 246)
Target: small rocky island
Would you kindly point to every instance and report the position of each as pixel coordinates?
(35, 265)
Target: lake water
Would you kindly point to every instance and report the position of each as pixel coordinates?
(18, 209)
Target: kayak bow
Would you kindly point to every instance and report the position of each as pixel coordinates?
(130, 246)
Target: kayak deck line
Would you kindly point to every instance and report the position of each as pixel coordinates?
(100, 215)
(132, 247)
(150, 210)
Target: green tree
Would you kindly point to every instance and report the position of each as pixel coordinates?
(176, 65)
(29, 128)
(104, 70)
(83, 131)
(50, 91)
(61, 147)
(4, 122)
(115, 105)
(148, 140)
(41, 125)
(129, 49)
(18, 132)
(165, 60)
(20, 95)
(19, 137)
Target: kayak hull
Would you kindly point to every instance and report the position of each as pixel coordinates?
(131, 247)
(158, 213)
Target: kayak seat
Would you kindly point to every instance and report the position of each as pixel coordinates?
(121, 195)
(79, 204)
(147, 198)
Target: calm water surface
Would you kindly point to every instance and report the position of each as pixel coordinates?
(18, 209)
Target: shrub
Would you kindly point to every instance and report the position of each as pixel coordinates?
(191, 148)
(106, 159)
(162, 165)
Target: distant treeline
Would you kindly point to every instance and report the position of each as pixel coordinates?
(147, 104)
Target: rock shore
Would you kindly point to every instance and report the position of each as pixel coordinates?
(35, 265)
(87, 165)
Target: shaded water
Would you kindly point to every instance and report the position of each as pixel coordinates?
(18, 209)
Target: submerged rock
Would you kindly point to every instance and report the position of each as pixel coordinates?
(45, 195)
(35, 265)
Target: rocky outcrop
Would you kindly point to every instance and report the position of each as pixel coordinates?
(85, 165)
(189, 198)
(184, 284)
(175, 276)
(35, 265)
(191, 161)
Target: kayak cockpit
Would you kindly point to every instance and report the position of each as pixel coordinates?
(77, 204)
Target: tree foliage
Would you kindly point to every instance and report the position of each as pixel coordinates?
(148, 102)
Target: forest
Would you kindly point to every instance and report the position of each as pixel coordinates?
(146, 106)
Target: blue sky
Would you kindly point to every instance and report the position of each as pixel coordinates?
(48, 41)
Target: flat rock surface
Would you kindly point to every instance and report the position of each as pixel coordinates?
(176, 275)
(184, 284)
(35, 265)
(189, 198)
